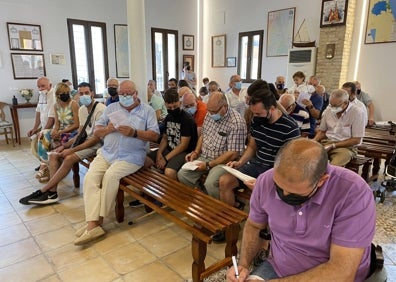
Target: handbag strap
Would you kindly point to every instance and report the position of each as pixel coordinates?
(89, 117)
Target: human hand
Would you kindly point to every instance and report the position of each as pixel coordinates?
(59, 149)
(234, 164)
(126, 130)
(66, 152)
(242, 271)
(161, 162)
(110, 127)
(55, 134)
(250, 183)
(307, 103)
(371, 122)
(191, 156)
(31, 132)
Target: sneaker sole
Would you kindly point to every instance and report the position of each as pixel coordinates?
(48, 201)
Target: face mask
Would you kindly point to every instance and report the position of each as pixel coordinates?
(174, 112)
(191, 110)
(262, 120)
(112, 91)
(43, 92)
(280, 86)
(215, 117)
(85, 100)
(126, 101)
(64, 97)
(294, 199)
(358, 91)
(336, 110)
(238, 85)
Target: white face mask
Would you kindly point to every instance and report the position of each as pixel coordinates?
(43, 92)
(336, 110)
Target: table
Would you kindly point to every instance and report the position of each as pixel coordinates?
(15, 119)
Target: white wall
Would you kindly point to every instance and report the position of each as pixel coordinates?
(51, 15)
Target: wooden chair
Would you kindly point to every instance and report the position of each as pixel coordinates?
(6, 127)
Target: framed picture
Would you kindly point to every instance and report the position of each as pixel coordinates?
(280, 31)
(219, 51)
(231, 62)
(188, 42)
(380, 22)
(24, 37)
(334, 12)
(190, 60)
(27, 66)
(57, 59)
(121, 50)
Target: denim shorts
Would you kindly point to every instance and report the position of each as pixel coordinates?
(265, 271)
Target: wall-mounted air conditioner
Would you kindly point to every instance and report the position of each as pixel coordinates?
(301, 59)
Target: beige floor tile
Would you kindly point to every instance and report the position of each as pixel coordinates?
(69, 203)
(70, 255)
(95, 270)
(164, 242)
(6, 206)
(52, 278)
(13, 234)
(153, 272)
(47, 223)
(114, 240)
(18, 251)
(129, 258)
(32, 212)
(33, 269)
(74, 215)
(56, 239)
(9, 219)
(149, 225)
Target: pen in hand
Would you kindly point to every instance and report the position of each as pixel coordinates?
(235, 266)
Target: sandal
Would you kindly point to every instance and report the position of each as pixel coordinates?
(42, 172)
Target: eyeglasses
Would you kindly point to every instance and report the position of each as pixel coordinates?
(126, 94)
(215, 112)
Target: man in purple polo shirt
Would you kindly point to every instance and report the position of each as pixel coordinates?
(322, 220)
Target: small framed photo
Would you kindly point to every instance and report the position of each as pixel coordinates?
(334, 12)
(231, 62)
(190, 60)
(24, 37)
(188, 42)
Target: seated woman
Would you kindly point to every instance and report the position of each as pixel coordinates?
(66, 126)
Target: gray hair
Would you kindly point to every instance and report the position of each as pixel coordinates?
(340, 94)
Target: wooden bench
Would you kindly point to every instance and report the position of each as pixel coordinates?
(196, 212)
(376, 152)
(360, 161)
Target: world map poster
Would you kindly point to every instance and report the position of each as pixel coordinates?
(381, 22)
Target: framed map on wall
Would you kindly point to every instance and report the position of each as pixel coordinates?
(280, 32)
(381, 22)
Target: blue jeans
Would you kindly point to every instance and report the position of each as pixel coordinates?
(265, 271)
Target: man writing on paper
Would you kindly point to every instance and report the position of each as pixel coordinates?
(269, 130)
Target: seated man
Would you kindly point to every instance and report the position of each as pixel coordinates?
(280, 85)
(341, 129)
(62, 159)
(298, 113)
(222, 140)
(196, 108)
(236, 94)
(125, 128)
(110, 94)
(179, 138)
(322, 220)
(350, 87)
(367, 101)
(153, 87)
(158, 104)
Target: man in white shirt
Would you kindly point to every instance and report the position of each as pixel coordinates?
(350, 87)
(236, 94)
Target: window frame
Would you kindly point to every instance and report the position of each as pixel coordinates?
(250, 35)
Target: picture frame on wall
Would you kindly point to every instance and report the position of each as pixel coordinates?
(231, 62)
(24, 37)
(188, 42)
(219, 51)
(27, 65)
(190, 60)
(121, 50)
(334, 13)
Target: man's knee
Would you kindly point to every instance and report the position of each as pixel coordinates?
(70, 160)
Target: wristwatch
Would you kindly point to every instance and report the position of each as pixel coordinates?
(207, 166)
(135, 133)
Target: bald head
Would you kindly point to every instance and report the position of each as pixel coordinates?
(320, 89)
(127, 87)
(216, 99)
(300, 160)
(286, 100)
(184, 90)
(189, 100)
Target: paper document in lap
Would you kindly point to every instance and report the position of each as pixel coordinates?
(238, 174)
(118, 118)
(302, 96)
(191, 165)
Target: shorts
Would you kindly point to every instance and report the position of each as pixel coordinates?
(252, 169)
(265, 271)
(88, 152)
(175, 163)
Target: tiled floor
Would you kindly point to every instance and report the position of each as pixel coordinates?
(36, 242)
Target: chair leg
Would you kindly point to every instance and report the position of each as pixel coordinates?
(12, 136)
(6, 135)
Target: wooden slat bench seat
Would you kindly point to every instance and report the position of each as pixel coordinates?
(360, 161)
(376, 152)
(196, 212)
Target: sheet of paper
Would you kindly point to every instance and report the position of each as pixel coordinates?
(238, 174)
(191, 165)
(303, 96)
(118, 118)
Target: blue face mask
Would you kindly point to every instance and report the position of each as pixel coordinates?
(191, 110)
(126, 101)
(215, 117)
(238, 85)
(85, 100)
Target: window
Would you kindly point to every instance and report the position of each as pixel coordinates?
(88, 53)
(164, 48)
(250, 55)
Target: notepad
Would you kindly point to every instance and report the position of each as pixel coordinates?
(238, 174)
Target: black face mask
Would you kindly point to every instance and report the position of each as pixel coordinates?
(64, 97)
(358, 91)
(174, 112)
(280, 86)
(262, 120)
(294, 199)
(112, 91)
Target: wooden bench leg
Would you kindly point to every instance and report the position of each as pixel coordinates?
(366, 170)
(119, 206)
(199, 249)
(76, 175)
(232, 234)
(376, 165)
